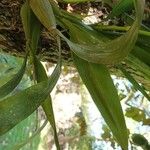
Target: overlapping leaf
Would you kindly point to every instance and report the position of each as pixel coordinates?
(34, 26)
(11, 84)
(100, 52)
(16, 108)
(100, 85)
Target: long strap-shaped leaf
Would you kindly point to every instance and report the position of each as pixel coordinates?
(47, 105)
(100, 85)
(18, 107)
(11, 84)
(100, 52)
(134, 82)
(32, 24)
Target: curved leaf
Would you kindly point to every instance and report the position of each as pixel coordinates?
(18, 107)
(11, 84)
(98, 51)
(44, 12)
(34, 26)
(100, 85)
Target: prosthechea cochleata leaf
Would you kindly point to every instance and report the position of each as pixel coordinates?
(44, 12)
(12, 83)
(47, 105)
(98, 51)
(98, 81)
(34, 26)
(16, 108)
(31, 26)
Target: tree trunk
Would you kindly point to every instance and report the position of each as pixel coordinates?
(12, 40)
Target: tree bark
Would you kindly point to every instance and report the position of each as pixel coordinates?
(12, 40)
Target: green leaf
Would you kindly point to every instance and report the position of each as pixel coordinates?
(141, 54)
(11, 84)
(34, 26)
(106, 135)
(135, 113)
(31, 25)
(134, 82)
(139, 65)
(18, 107)
(35, 32)
(121, 7)
(100, 85)
(94, 49)
(25, 16)
(47, 105)
(44, 12)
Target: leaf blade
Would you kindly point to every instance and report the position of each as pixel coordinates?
(98, 51)
(44, 12)
(100, 85)
(47, 105)
(12, 83)
(25, 102)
